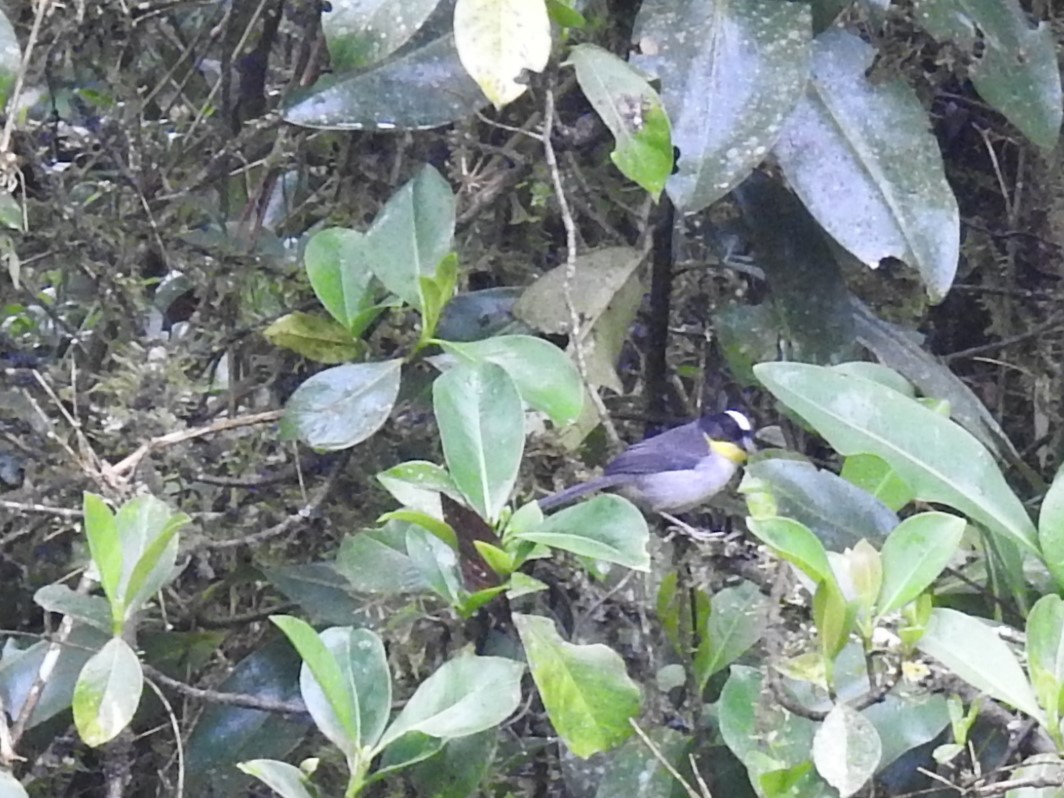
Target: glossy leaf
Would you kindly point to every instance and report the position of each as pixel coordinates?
(10, 787)
(635, 771)
(436, 292)
(1013, 64)
(737, 620)
(107, 692)
(459, 767)
(426, 87)
(338, 265)
(362, 32)
(914, 555)
(873, 140)
(335, 706)
(846, 750)
(482, 427)
(545, 376)
(837, 512)
(376, 561)
(412, 234)
(607, 527)
(10, 58)
(437, 563)
(731, 72)
(941, 461)
(974, 652)
(91, 610)
(363, 664)
(154, 528)
(795, 543)
(1051, 527)
(224, 735)
(1045, 653)
(417, 484)
(286, 780)
(498, 39)
(906, 721)
(342, 406)
(314, 337)
(466, 695)
(585, 689)
(633, 112)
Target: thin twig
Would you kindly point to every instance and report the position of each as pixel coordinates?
(570, 269)
(229, 699)
(176, 729)
(661, 758)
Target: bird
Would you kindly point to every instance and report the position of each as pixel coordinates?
(675, 471)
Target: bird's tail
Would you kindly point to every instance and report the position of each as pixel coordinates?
(570, 494)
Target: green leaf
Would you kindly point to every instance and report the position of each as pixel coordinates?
(563, 15)
(1040, 768)
(342, 406)
(437, 563)
(466, 695)
(846, 750)
(107, 692)
(338, 715)
(155, 567)
(926, 450)
(876, 478)
(545, 376)
(872, 139)
(482, 427)
(1045, 653)
(498, 39)
(1051, 528)
(417, 484)
(412, 234)
(338, 265)
(975, 653)
(10, 59)
(795, 543)
(1013, 64)
(286, 780)
(636, 771)
(836, 511)
(363, 665)
(737, 620)
(914, 555)
(376, 561)
(459, 767)
(362, 32)
(91, 610)
(585, 689)
(314, 337)
(633, 112)
(426, 87)
(730, 73)
(834, 618)
(906, 721)
(436, 292)
(105, 546)
(607, 527)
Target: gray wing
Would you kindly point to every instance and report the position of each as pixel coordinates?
(679, 449)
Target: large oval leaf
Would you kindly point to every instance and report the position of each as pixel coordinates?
(360, 655)
(466, 695)
(1045, 652)
(588, 695)
(914, 555)
(482, 428)
(412, 234)
(498, 39)
(107, 692)
(425, 88)
(1051, 527)
(1014, 64)
(342, 406)
(608, 528)
(846, 749)
(633, 112)
(731, 71)
(939, 460)
(362, 32)
(861, 158)
(838, 512)
(974, 652)
(338, 267)
(545, 376)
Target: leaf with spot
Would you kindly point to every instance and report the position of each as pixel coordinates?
(633, 112)
(497, 40)
(860, 156)
(1013, 63)
(730, 71)
(362, 32)
(423, 88)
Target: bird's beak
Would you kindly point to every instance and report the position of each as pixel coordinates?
(749, 444)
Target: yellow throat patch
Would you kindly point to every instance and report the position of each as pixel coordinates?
(727, 450)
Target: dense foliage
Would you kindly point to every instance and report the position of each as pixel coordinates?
(304, 304)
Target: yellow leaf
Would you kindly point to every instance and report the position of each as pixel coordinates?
(498, 39)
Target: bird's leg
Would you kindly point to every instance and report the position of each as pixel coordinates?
(692, 532)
